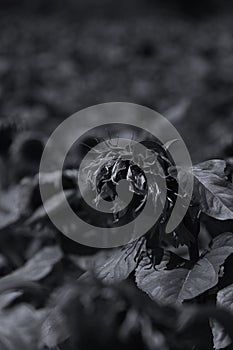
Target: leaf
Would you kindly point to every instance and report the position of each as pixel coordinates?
(54, 329)
(178, 111)
(175, 286)
(8, 297)
(19, 328)
(9, 206)
(53, 204)
(113, 265)
(214, 192)
(31, 206)
(225, 300)
(37, 267)
(193, 323)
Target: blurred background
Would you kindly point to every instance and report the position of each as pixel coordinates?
(56, 58)
(176, 57)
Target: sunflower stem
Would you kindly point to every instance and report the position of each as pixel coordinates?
(194, 251)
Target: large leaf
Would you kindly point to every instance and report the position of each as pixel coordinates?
(113, 265)
(224, 299)
(177, 285)
(214, 191)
